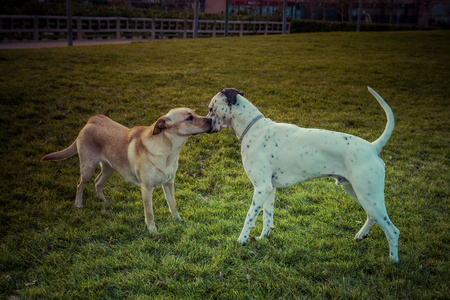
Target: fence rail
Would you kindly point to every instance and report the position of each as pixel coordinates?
(55, 27)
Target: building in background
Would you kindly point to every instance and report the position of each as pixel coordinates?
(411, 12)
(422, 12)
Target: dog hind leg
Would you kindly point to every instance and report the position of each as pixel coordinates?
(373, 203)
(364, 231)
(379, 214)
(107, 171)
(87, 168)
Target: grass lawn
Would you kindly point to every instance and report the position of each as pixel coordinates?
(51, 250)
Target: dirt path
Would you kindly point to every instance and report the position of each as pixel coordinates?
(53, 44)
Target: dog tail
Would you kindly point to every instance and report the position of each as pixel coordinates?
(383, 139)
(63, 154)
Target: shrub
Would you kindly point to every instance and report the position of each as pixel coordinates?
(299, 26)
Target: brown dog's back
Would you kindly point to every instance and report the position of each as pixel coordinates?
(104, 128)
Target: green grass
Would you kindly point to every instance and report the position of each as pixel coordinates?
(49, 249)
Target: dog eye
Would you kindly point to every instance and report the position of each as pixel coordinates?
(190, 118)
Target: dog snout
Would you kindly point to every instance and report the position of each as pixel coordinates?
(212, 127)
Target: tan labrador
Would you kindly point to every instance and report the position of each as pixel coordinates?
(144, 156)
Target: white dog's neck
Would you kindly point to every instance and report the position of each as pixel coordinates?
(244, 112)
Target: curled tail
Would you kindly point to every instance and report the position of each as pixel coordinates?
(383, 139)
(63, 154)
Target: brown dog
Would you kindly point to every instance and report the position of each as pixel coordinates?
(144, 156)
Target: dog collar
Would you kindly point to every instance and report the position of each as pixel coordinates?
(249, 126)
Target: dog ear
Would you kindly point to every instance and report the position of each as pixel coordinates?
(161, 124)
(231, 95)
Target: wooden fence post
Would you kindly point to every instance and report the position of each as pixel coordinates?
(36, 28)
(185, 25)
(153, 34)
(118, 28)
(79, 29)
(241, 31)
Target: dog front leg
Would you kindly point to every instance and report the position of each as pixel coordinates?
(169, 191)
(259, 198)
(268, 215)
(147, 194)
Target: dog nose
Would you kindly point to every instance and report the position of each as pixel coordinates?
(209, 121)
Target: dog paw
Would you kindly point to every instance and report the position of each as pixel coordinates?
(243, 242)
(359, 239)
(152, 229)
(264, 235)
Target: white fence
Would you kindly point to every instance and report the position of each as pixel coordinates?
(55, 27)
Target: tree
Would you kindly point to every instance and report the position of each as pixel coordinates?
(427, 5)
(358, 26)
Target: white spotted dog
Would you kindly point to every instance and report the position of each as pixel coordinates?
(277, 155)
